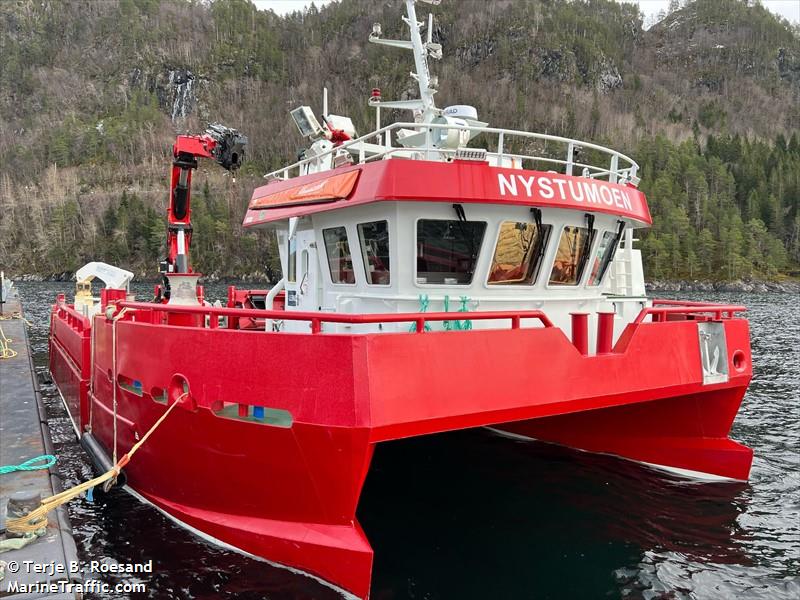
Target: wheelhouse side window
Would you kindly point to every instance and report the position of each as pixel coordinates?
(374, 239)
(447, 251)
(518, 253)
(291, 260)
(340, 261)
(603, 257)
(571, 256)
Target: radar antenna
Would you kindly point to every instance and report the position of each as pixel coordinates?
(424, 107)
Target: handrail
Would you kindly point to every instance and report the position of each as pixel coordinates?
(613, 170)
(668, 302)
(317, 318)
(659, 311)
(659, 314)
(67, 313)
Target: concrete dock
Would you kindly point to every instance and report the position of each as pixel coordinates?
(28, 573)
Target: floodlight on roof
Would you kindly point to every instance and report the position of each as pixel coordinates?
(306, 122)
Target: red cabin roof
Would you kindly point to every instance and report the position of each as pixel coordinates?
(427, 181)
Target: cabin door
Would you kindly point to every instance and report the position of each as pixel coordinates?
(309, 283)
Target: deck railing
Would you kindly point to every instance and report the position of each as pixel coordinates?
(661, 310)
(316, 319)
(66, 312)
(614, 166)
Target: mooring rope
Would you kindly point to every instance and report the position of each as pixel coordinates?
(424, 301)
(116, 318)
(465, 325)
(91, 373)
(45, 461)
(37, 519)
(5, 348)
(15, 315)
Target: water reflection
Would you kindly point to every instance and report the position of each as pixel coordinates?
(540, 520)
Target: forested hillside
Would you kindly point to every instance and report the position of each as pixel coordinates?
(93, 93)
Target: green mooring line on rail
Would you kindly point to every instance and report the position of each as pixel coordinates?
(45, 461)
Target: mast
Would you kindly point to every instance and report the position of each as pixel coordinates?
(425, 106)
(421, 62)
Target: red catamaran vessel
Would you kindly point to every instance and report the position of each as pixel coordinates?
(438, 274)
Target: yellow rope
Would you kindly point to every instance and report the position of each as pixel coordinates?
(37, 519)
(15, 315)
(119, 315)
(5, 348)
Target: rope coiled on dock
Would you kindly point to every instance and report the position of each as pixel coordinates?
(5, 346)
(15, 315)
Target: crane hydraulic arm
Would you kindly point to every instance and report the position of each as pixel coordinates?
(224, 145)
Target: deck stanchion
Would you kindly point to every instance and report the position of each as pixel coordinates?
(605, 332)
(233, 322)
(580, 331)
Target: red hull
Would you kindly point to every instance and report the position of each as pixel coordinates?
(288, 491)
(684, 433)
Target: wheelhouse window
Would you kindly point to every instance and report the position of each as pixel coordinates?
(374, 239)
(603, 257)
(447, 251)
(518, 253)
(340, 261)
(571, 256)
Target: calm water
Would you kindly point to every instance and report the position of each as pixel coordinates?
(471, 515)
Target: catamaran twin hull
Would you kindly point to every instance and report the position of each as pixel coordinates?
(270, 449)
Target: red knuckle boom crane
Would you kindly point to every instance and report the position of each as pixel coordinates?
(223, 144)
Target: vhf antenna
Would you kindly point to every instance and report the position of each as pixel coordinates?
(427, 84)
